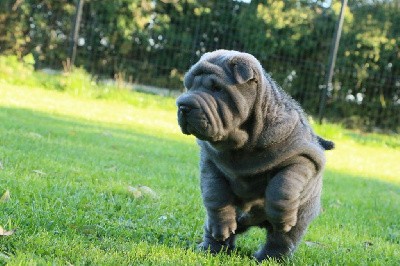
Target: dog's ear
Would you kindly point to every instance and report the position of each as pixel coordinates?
(241, 70)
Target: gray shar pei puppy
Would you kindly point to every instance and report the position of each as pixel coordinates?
(261, 164)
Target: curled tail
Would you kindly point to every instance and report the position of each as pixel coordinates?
(326, 144)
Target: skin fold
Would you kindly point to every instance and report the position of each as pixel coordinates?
(261, 164)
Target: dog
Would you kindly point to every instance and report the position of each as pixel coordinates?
(261, 164)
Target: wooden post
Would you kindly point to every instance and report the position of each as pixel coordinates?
(332, 60)
(75, 32)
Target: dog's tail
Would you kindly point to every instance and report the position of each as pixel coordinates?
(326, 144)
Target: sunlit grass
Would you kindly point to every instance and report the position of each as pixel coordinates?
(68, 160)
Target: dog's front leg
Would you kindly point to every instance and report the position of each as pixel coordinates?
(289, 208)
(218, 200)
(284, 193)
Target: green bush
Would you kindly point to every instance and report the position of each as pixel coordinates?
(21, 72)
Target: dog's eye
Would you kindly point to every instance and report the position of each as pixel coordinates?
(215, 87)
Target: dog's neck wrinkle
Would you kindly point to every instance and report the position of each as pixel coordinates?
(250, 130)
(275, 114)
(256, 131)
(264, 105)
(273, 99)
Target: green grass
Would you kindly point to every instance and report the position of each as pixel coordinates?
(68, 159)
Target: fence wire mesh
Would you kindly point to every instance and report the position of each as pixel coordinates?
(153, 42)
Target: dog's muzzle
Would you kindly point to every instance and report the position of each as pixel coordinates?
(191, 116)
(185, 107)
(183, 112)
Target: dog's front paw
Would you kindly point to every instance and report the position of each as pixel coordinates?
(281, 220)
(214, 246)
(221, 230)
(283, 227)
(283, 224)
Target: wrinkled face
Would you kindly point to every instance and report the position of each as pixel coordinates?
(221, 90)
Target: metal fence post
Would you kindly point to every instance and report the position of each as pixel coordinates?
(75, 32)
(332, 60)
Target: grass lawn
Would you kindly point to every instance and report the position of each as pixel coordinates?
(70, 163)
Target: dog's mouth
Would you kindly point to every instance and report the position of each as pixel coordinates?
(195, 122)
(198, 115)
(192, 124)
(184, 125)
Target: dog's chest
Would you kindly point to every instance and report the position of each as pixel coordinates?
(249, 187)
(248, 177)
(245, 165)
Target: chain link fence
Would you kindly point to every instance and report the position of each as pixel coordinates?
(153, 42)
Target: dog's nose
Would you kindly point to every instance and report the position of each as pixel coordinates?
(184, 109)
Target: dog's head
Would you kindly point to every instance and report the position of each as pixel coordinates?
(221, 91)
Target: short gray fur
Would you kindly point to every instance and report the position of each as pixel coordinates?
(261, 163)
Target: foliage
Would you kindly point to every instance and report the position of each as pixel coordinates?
(38, 27)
